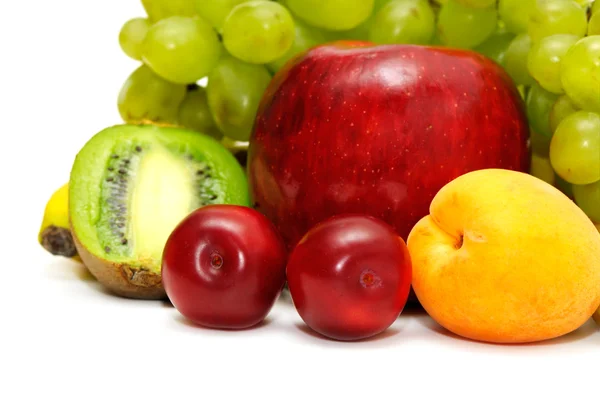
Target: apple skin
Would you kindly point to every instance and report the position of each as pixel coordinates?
(350, 127)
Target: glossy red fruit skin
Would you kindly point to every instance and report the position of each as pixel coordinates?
(379, 130)
(349, 277)
(224, 267)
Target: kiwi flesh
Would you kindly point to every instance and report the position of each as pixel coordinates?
(130, 186)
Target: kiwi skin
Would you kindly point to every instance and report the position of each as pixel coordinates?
(120, 278)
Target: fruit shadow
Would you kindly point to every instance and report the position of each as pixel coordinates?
(394, 335)
(384, 336)
(285, 298)
(180, 319)
(583, 332)
(68, 269)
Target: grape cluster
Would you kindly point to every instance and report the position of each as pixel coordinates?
(550, 48)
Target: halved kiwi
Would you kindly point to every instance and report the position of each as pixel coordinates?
(130, 186)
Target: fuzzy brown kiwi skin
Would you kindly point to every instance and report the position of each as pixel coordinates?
(120, 278)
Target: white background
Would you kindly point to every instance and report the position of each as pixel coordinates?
(62, 335)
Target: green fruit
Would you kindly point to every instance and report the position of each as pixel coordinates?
(594, 25)
(161, 9)
(515, 14)
(477, 3)
(539, 106)
(130, 186)
(515, 60)
(580, 73)
(544, 60)
(215, 11)
(305, 38)
(588, 199)
(495, 46)
(542, 169)
(181, 50)
(552, 17)
(132, 37)
(403, 22)
(465, 27)
(194, 113)
(564, 186)
(147, 97)
(258, 32)
(540, 144)
(332, 14)
(562, 108)
(234, 91)
(575, 148)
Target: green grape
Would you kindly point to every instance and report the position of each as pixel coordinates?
(305, 38)
(522, 91)
(181, 50)
(361, 32)
(460, 26)
(332, 14)
(194, 113)
(161, 9)
(544, 59)
(258, 32)
(539, 105)
(234, 91)
(215, 11)
(595, 7)
(378, 5)
(564, 186)
(552, 17)
(403, 22)
(594, 24)
(515, 14)
(477, 3)
(146, 97)
(332, 35)
(132, 36)
(587, 198)
(496, 46)
(540, 144)
(436, 41)
(575, 148)
(562, 108)
(515, 60)
(580, 73)
(542, 168)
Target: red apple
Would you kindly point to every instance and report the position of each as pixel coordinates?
(378, 130)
